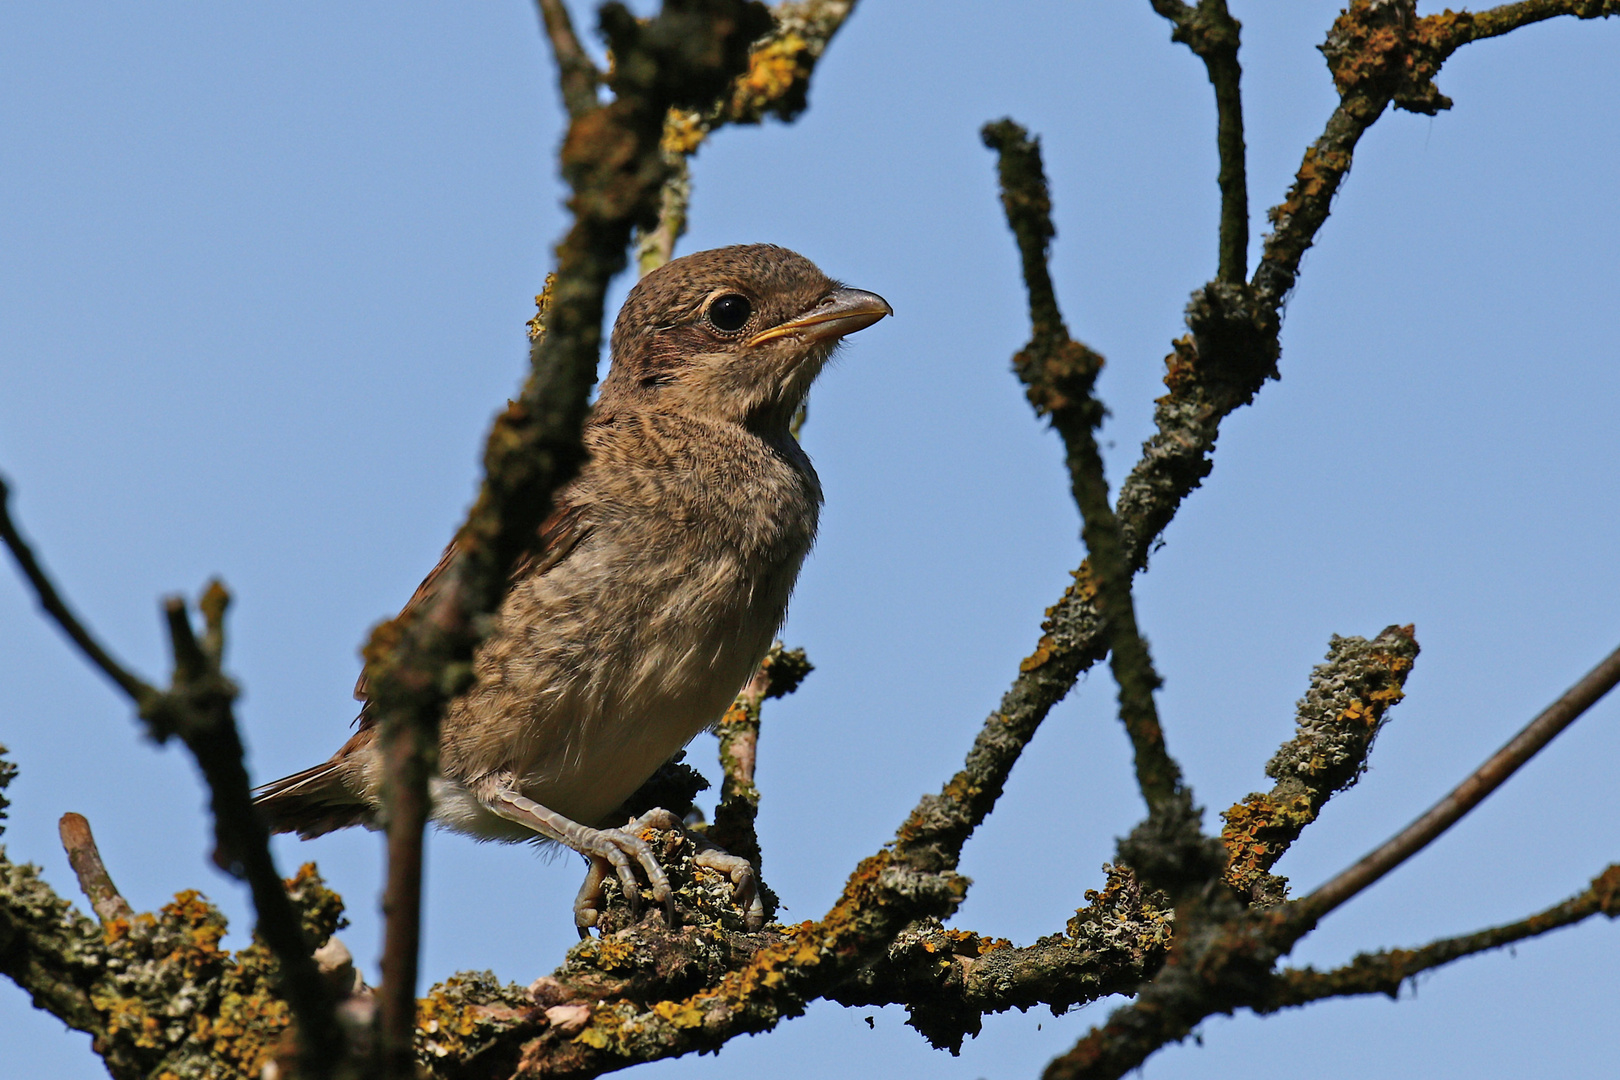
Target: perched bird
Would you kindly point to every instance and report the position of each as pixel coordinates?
(652, 591)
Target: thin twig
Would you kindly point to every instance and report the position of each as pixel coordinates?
(1059, 374)
(94, 880)
(52, 603)
(1211, 32)
(779, 674)
(1466, 795)
(199, 708)
(1384, 972)
(577, 76)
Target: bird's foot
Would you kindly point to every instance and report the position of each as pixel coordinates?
(610, 851)
(711, 856)
(618, 852)
(684, 852)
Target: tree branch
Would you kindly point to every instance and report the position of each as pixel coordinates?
(155, 991)
(198, 708)
(577, 76)
(777, 83)
(51, 602)
(1466, 795)
(1059, 375)
(779, 674)
(1213, 35)
(85, 858)
(1339, 717)
(1384, 972)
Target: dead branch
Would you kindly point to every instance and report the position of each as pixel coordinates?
(85, 858)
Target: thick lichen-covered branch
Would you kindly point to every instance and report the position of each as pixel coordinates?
(949, 980)
(1338, 719)
(155, 991)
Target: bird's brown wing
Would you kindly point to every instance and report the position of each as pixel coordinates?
(325, 797)
(558, 535)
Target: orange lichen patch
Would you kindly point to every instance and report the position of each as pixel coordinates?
(1253, 829)
(773, 70)
(542, 308)
(612, 954)
(1181, 366)
(1388, 55)
(684, 132)
(963, 943)
(456, 1016)
(1082, 590)
(1042, 653)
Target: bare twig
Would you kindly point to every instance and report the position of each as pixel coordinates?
(1384, 972)
(577, 76)
(198, 707)
(85, 858)
(779, 674)
(1466, 795)
(1210, 32)
(52, 603)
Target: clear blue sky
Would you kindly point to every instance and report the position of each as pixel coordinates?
(264, 272)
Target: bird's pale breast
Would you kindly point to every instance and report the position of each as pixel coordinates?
(616, 657)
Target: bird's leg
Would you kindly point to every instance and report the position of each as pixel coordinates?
(605, 848)
(740, 872)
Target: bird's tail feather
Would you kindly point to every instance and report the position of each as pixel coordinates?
(311, 803)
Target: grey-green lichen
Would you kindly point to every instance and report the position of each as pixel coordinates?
(1341, 714)
(156, 992)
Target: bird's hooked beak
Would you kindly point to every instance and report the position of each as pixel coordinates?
(844, 311)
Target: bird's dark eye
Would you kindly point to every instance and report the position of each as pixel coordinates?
(729, 313)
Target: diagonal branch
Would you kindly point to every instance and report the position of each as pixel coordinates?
(1059, 375)
(1211, 32)
(1338, 719)
(1384, 972)
(1466, 795)
(53, 605)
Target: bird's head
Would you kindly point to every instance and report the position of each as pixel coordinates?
(736, 333)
